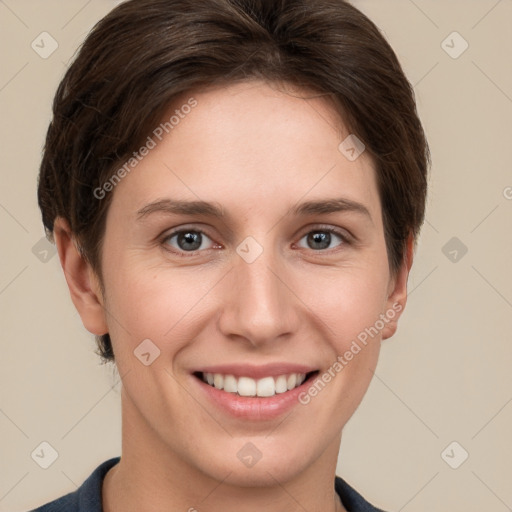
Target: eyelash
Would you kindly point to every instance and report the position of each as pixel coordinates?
(187, 254)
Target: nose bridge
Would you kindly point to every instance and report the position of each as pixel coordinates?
(259, 306)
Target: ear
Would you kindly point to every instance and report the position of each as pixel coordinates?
(397, 292)
(82, 281)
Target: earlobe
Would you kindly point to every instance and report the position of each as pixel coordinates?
(82, 281)
(397, 297)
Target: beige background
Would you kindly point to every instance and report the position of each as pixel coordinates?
(444, 377)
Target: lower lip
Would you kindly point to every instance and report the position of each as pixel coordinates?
(254, 408)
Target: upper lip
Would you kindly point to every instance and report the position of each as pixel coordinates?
(257, 372)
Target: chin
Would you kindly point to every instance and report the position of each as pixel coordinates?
(260, 463)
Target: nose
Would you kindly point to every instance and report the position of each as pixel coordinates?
(259, 304)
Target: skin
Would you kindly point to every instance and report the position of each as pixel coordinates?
(257, 151)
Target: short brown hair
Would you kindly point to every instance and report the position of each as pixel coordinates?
(145, 53)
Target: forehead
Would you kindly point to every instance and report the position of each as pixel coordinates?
(257, 106)
(252, 142)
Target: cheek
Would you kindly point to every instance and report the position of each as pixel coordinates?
(348, 302)
(146, 302)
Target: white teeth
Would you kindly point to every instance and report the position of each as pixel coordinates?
(230, 384)
(266, 387)
(291, 381)
(218, 381)
(246, 386)
(281, 386)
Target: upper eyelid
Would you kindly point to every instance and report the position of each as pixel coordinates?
(169, 234)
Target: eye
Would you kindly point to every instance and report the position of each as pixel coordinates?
(187, 240)
(320, 239)
(191, 241)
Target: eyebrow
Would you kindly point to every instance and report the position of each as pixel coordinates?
(197, 208)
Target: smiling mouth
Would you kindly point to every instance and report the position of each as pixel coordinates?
(249, 387)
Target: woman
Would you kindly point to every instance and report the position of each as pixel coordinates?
(235, 188)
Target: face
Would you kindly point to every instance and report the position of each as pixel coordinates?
(283, 272)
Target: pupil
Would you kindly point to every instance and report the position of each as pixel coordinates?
(324, 239)
(190, 238)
